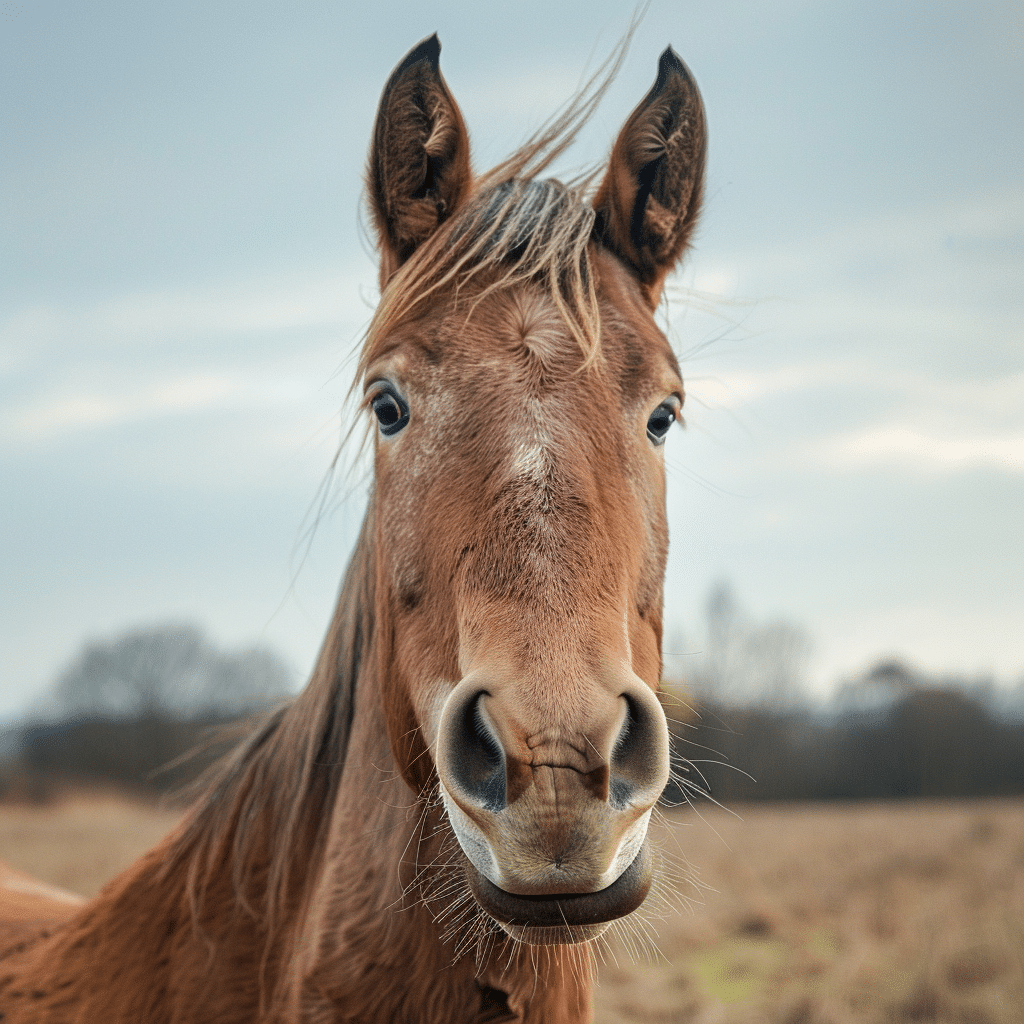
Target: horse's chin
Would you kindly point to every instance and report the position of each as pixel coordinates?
(563, 918)
(561, 936)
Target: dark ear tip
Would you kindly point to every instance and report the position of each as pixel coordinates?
(429, 50)
(670, 60)
(670, 63)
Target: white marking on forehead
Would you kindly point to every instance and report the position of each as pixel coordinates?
(531, 460)
(542, 330)
(533, 452)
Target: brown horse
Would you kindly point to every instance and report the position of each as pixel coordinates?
(441, 825)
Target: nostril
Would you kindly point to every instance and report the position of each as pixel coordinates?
(478, 762)
(635, 766)
(619, 784)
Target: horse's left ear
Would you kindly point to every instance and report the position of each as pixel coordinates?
(419, 161)
(648, 203)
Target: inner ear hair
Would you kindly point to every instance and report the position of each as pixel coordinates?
(419, 167)
(649, 201)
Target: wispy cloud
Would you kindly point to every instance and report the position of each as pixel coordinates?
(333, 299)
(141, 357)
(52, 414)
(898, 345)
(915, 449)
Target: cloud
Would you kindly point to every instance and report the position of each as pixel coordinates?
(898, 344)
(332, 298)
(53, 414)
(918, 450)
(142, 357)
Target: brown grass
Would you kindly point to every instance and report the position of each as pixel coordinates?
(79, 842)
(804, 914)
(815, 914)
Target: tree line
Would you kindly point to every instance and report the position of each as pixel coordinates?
(146, 711)
(744, 727)
(151, 709)
(927, 738)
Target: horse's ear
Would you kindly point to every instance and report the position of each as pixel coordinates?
(419, 161)
(648, 203)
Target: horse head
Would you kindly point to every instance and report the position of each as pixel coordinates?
(520, 391)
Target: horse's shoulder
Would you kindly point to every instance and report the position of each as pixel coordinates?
(30, 912)
(30, 908)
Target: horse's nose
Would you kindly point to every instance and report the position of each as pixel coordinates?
(619, 751)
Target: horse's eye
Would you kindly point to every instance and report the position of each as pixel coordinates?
(660, 420)
(391, 411)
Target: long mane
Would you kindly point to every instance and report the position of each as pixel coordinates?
(266, 805)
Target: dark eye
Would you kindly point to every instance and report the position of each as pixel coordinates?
(660, 420)
(391, 411)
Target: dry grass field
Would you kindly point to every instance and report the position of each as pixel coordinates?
(801, 914)
(900, 912)
(78, 843)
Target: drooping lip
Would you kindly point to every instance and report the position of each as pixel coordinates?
(559, 910)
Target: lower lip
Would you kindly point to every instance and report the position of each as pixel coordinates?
(622, 897)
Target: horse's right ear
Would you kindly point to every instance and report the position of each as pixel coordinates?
(419, 161)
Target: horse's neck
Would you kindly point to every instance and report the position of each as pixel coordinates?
(369, 949)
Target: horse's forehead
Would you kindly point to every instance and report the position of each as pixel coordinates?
(517, 339)
(533, 320)
(488, 333)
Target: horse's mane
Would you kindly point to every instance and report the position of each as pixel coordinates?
(266, 805)
(516, 230)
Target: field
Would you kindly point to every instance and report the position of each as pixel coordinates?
(801, 914)
(77, 844)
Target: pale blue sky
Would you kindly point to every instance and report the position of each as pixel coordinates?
(182, 279)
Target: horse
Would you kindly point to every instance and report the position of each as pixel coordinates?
(442, 824)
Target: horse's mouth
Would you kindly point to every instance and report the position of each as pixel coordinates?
(573, 915)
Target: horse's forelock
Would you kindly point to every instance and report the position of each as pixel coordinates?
(507, 233)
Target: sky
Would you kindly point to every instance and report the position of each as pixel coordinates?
(185, 273)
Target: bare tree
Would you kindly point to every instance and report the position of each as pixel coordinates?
(749, 663)
(726, 630)
(168, 671)
(776, 655)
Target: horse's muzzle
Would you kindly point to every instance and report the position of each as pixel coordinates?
(565, 910)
